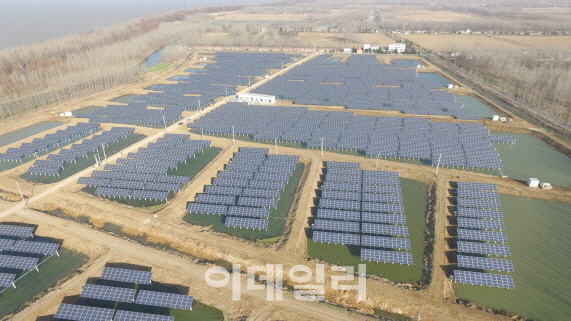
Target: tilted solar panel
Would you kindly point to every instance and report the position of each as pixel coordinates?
(126, 275)
(166, 300)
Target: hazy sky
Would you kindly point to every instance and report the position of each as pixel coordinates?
(28, 21)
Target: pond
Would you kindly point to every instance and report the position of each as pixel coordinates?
(532, 157)
(26, 132)
(435, 78)
(476, 106)
(539, 234)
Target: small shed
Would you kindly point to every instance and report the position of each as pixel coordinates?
(532, 182)
(496, 117)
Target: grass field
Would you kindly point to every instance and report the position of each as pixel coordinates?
(72, 168)
(415, 199)
(54, 269)
(160, 67)
(538, 233)
(190, 169)
(277, 216)
(449, 42)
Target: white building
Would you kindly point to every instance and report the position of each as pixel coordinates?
(397, 47)
(532, 182)
(347, 50)
(366, 46)
(257, 98)
(375, 47)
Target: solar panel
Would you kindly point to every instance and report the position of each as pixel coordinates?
(384, 229)
(382, 207)
(343, 215)
(374, 217)
(332, 164)
(375, 180)
(6, 279)
(484, 263)
(478, 212)
(382, 189)
(385, 242)
(338, 226)
(259, 192)
(477, 186)
(216, 199)
(343, 179)
(243, 222)
(337, 186)
(6, 244)
(478, 203)
(336, 237)
(483, 248)
(222, 190)
(480, 223)
(165, 300)
(477, 235)
(468, 193)
(382, 198)
(484, 279)
(83, 313)
(341, 195)
(35, 247)
(340, 204)
(126, 275)
(257, 202)
(386, 256)
(207, 208)
(108, 293)
(18, 262)
(248, 211)
(122, 315)
(15, 230)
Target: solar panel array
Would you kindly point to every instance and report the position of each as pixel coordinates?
(480, 229)
(165, 300)
(144, 175)
(108, 293)
(55, 163)
(126, 275)
(356, 214)
(19, 254)
(248, 189)
(200, 88)
(484, 279)
(135, 295)
(461, 145)
(364, 83)
(40, 146)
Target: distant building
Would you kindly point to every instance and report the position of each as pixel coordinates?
(366, 46)
(375, 47)
(533, 182)
(257, 98)
(359, 50)
(397, 47)
(347, 50)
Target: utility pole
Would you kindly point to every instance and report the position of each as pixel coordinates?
(165, 123)
(321, 147)
(276, 141)
(233, 140)
(378, 155)
(19, 190)
(249, 82)
(202, 132)
(438, 165)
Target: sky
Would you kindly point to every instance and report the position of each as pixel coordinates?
(25, 22)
